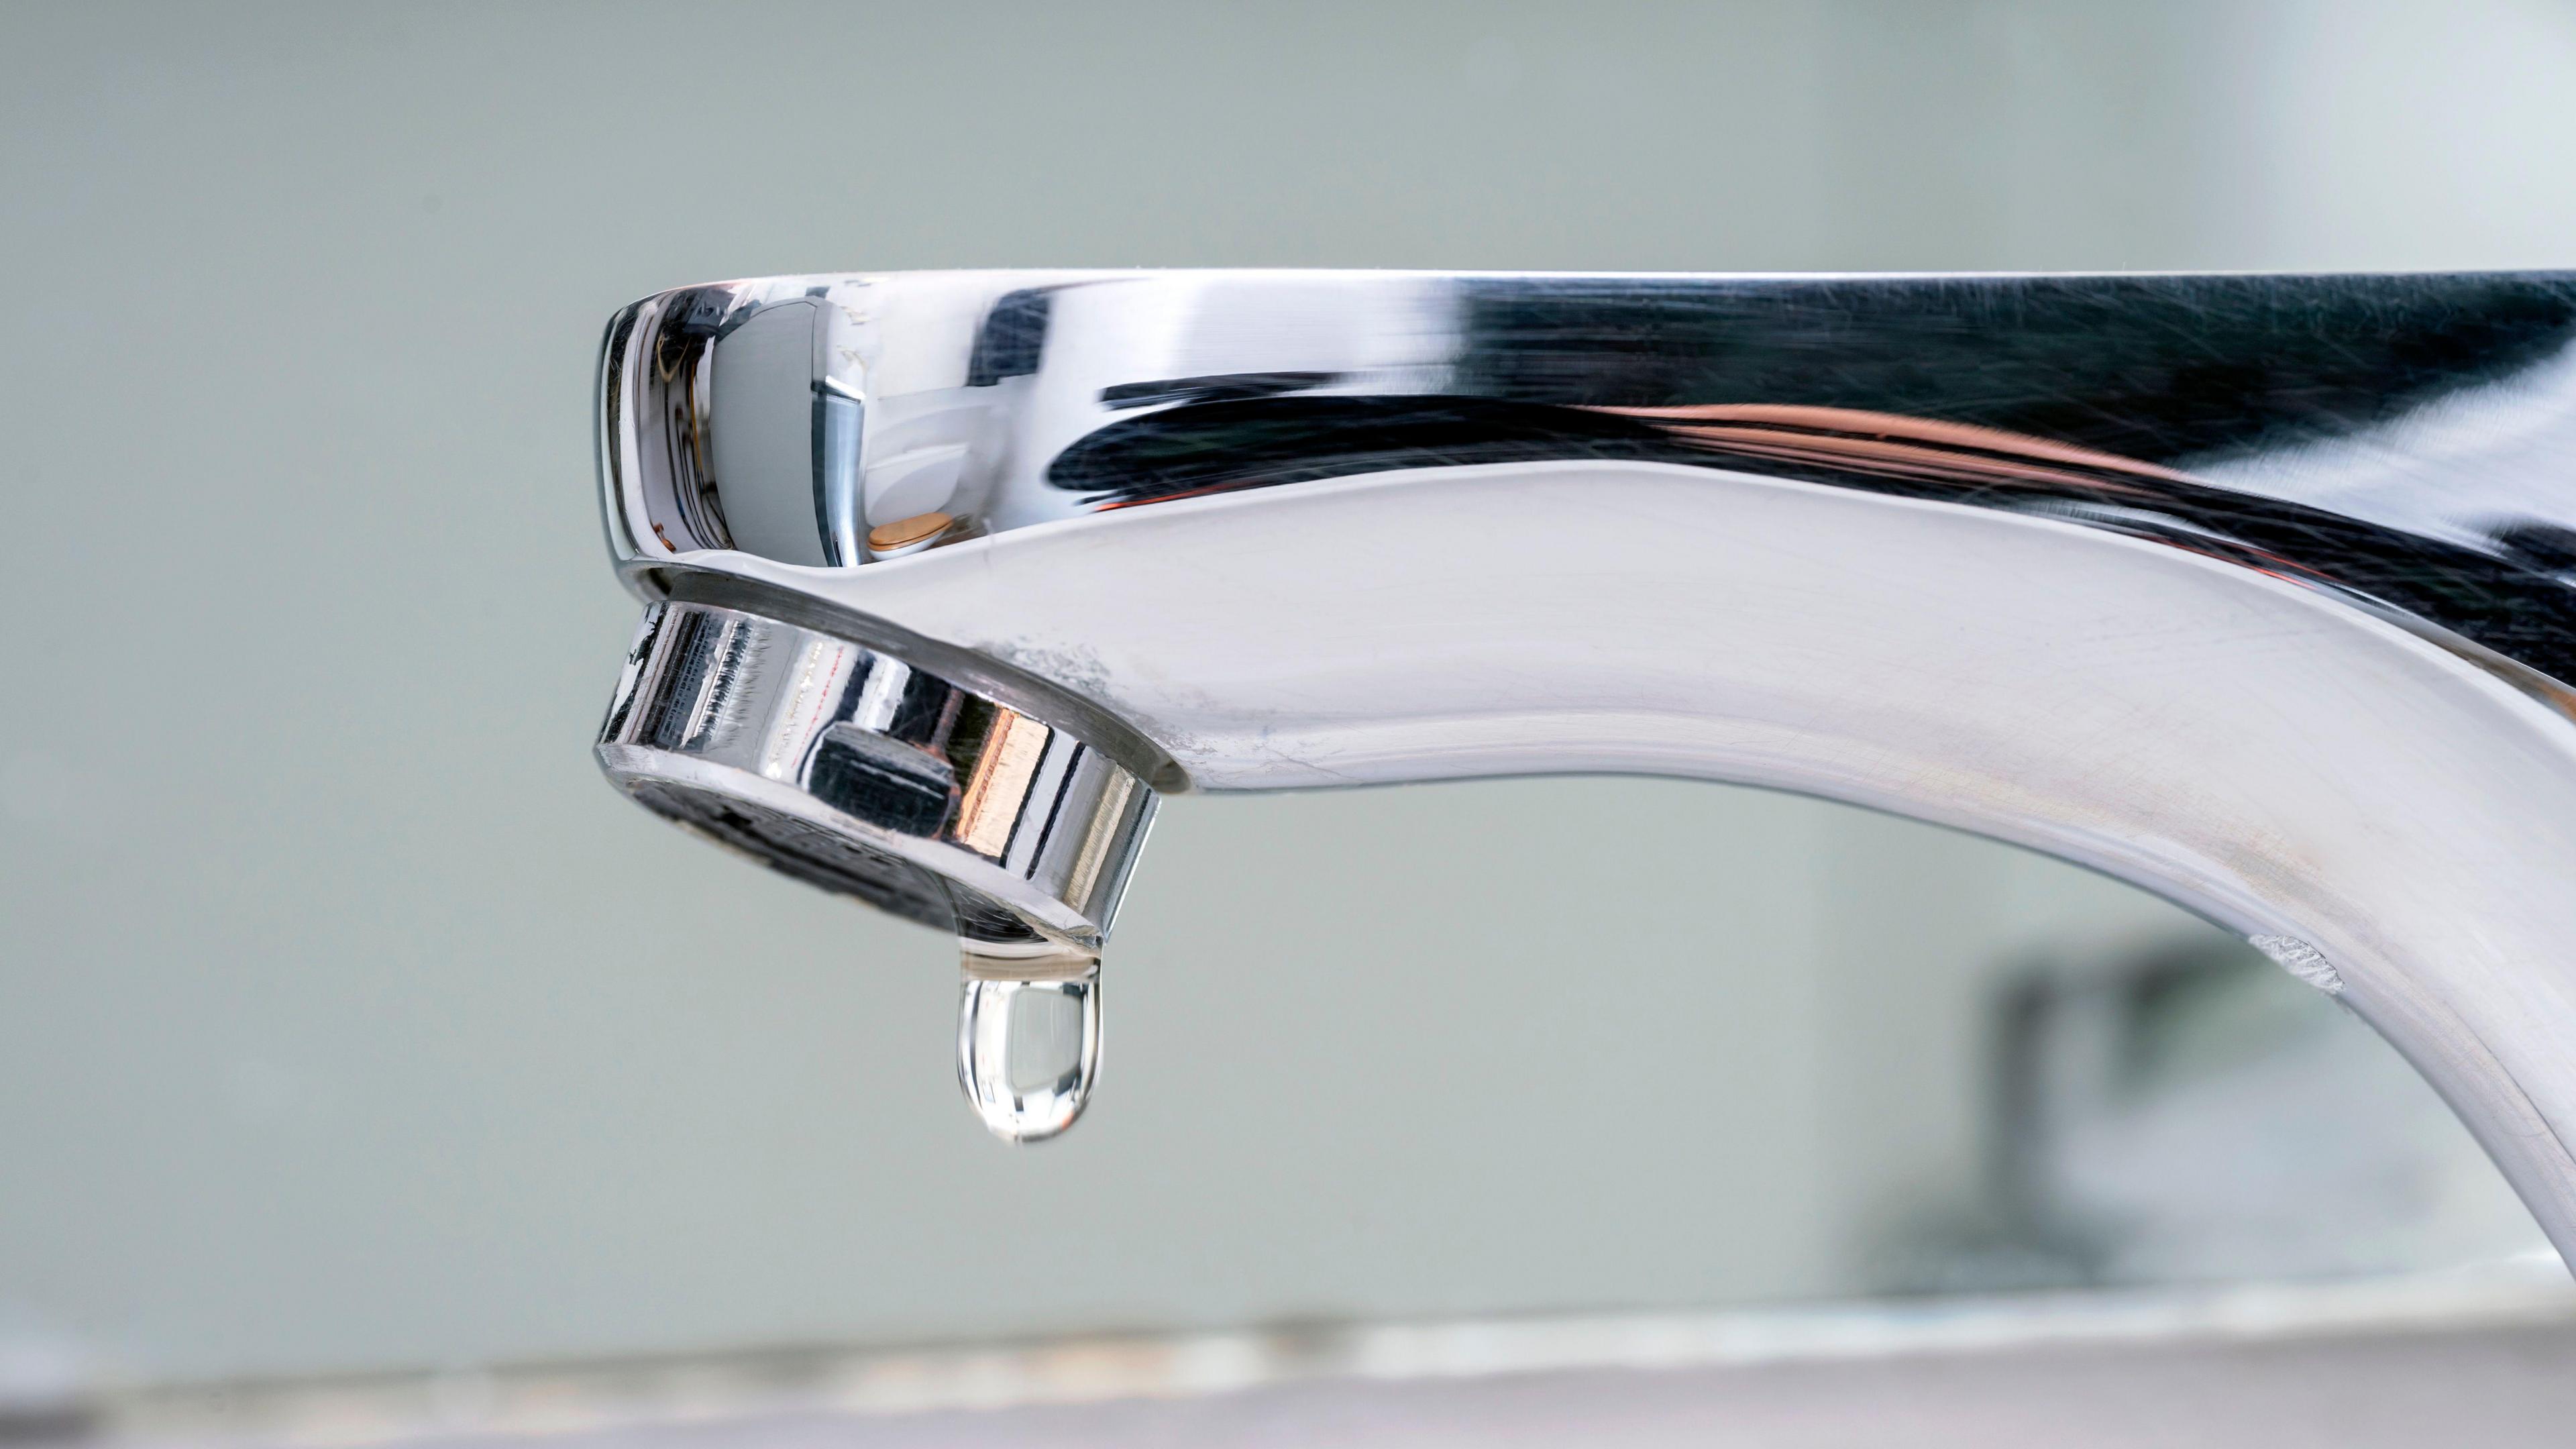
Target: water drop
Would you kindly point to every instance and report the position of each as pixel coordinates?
(1028, 1038)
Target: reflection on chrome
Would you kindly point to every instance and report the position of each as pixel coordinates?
(2257, 591)
(856, 772)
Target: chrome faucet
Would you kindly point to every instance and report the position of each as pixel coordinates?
(2259, 592)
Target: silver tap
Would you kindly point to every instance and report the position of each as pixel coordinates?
(2259, 592)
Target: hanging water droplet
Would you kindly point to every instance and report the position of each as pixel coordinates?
(1028, 1038)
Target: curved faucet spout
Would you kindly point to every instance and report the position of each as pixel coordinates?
(2258, 592)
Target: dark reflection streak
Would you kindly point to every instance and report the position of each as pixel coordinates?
(1011, 340)
(2491, 597)
(1219, 387)
(2153, 368)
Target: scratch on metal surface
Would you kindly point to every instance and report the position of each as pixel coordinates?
(2301, 960)
(1074, 668)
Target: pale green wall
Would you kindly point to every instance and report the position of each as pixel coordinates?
(347, 1019)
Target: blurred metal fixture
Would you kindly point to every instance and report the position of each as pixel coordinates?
(2257, 591)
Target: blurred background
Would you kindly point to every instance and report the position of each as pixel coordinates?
(348, 1022)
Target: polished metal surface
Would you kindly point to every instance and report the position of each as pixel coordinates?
(858, 773)
(2257, 591)
(2285, 422)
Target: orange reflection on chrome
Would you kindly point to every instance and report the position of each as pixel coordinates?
(1894, 445)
